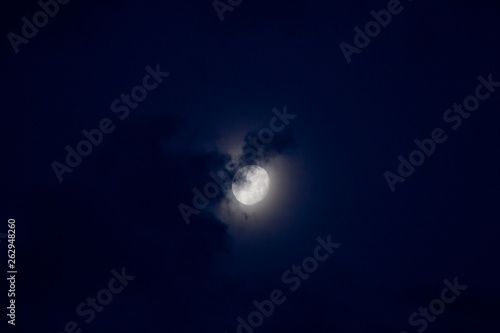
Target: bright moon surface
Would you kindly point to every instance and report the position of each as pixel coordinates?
(250, 184)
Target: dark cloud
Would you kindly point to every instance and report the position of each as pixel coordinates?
(255, 151)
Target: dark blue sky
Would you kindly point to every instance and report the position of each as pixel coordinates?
(119, 207)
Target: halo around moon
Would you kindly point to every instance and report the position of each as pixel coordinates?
(250, 184)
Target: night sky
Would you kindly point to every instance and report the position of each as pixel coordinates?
(124, 122)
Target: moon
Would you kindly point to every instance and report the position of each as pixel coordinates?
(250, 184)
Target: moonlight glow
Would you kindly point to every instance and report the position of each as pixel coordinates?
(250, 184)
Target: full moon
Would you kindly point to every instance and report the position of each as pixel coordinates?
(250, 184)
